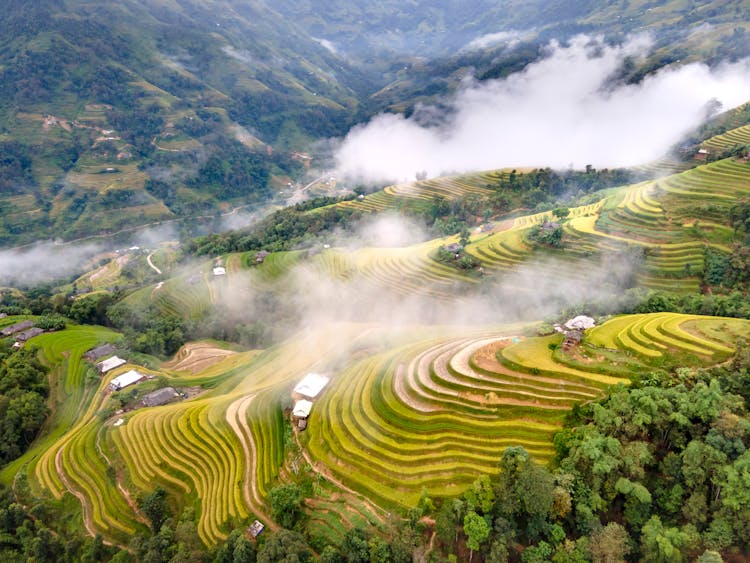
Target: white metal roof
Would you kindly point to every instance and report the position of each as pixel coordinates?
(311, 385)
(581, 322)
(125, 379)
(219, 271)
(110, 364)
(302, 408)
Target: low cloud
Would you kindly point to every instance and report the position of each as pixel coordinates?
(389, 231)
(330, 45)
(507, 38)
(383, 287)
(42, 262)
(565, 109)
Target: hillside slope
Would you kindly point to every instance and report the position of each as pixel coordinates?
(114, 115)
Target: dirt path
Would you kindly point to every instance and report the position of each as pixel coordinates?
(87, 521)
(156, 288)
(377, 511)
(151, 264)
(196, 357)
(153, 142)
(125, 493)
(237, 419)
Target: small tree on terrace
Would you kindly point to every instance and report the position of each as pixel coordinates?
(286, 502)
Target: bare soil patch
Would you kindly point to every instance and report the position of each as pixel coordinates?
(197, 356)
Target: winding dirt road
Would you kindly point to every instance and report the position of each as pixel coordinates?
(151, 264)
(237, 418)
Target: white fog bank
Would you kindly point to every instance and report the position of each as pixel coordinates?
(562, 110)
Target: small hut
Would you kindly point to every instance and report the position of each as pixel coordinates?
(160, 397)
(311, 385)
(300, 413)
(581, 322)
(29, 334)
(256, 529)
(109, 364)
(126, 379)
(99, 352)
(572, 340)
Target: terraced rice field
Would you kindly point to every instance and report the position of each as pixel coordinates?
(507, 249)
(657, 335)
(672, 220)
(410, 410)
(221, 451)
(192, 450)
(424, 191)
(66, 457)
(728, 140)
(94, 176)
(438, 413)
(502, 250)
(105, 276)
(410, 271)
(333, 512)
(187, 297)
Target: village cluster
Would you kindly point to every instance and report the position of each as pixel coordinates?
(128, 378)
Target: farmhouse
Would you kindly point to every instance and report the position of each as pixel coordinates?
(261, 256)
(29, 334)
(126, 379)
(300, 413)
(220, 271)
(99, 352)
(572, 339)
(702, 154)
(18, 327)
(160, 397)
(311, 385)
(581, 322)
(110, 364)
(256, 528)
(454, 248)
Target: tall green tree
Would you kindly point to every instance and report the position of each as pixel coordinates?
(477, 531)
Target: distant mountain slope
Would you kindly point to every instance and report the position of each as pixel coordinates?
(114, 115)
(435, 44)
(434, 28)
(119, 114)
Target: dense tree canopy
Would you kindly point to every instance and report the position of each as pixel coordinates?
(23, 402)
